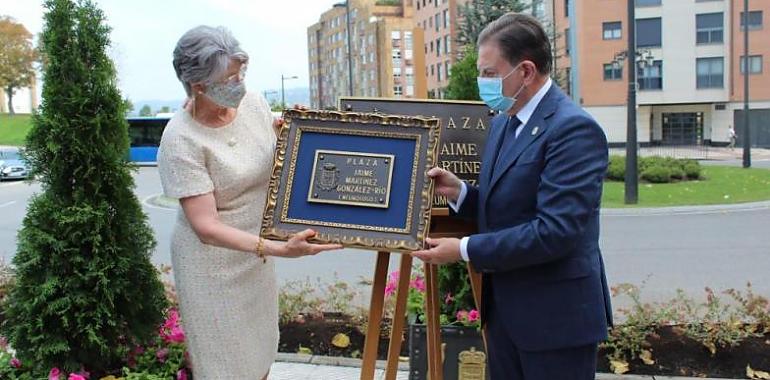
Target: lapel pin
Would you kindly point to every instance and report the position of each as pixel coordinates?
(534, 130)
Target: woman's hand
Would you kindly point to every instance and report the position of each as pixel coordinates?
(298, 246)
(277, 125)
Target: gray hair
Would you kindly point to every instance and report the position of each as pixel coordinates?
(203, 54)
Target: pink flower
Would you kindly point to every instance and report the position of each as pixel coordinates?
(54, 374)
(15, 363)
(418, 283)
(172, 331)
(176, 335)
(181, 374)
(392, 284)
(162, 355)
(462, 315)
(473, 316)
(75, 376)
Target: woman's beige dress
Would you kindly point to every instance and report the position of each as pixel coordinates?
(228, 299)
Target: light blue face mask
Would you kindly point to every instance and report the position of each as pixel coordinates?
(491, 92)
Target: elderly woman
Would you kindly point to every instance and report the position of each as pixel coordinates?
(216, 157)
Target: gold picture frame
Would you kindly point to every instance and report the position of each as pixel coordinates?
(399, 224)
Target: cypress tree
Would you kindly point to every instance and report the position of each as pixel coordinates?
(85, 288)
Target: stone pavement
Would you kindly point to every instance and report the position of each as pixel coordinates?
(309, 367)
(303, 371)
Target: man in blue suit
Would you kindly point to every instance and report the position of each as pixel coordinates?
(545, 300)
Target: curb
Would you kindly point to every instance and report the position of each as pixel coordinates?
(356, 363)
(687, 210)
(162, 201)
(332, 361)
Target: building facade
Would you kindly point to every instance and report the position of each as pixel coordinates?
(382, 60)
(440, 22)
(689, 74)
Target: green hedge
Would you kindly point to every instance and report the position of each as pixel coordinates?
(656, 169)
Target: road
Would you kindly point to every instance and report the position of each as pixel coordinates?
(721, 250)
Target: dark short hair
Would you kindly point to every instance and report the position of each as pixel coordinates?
(520, 37)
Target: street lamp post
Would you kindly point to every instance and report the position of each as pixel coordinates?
(640, 59)
(746, 139)
(283, 90)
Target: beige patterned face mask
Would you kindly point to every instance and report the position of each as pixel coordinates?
(228, 94)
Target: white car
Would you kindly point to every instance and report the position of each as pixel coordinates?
(12, 166)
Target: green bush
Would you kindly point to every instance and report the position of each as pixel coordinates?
(657, 174)
(692, 170)
(616, 171)
(85, 287)
(654, 169)
(678, 173)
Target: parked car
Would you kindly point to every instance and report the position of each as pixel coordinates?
(12, 165)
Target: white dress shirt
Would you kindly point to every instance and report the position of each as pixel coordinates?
(524, 114)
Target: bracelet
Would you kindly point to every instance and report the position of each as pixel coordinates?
(260, 250)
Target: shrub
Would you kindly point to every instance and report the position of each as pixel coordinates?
(657, 174)
(713, 324)
(692, 169)
(616, 170)
(85, 287)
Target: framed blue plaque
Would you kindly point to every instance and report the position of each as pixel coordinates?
(357, 179)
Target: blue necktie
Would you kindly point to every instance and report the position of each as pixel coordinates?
(509, 136)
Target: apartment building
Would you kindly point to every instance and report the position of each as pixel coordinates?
(689, 72)
(382, 60)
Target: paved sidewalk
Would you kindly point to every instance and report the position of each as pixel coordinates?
(310, 367)
(302, 371)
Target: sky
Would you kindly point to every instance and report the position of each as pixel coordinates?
(144, 33)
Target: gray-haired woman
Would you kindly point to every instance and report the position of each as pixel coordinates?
(216, 157)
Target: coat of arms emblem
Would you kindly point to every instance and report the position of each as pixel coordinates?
(328, 177)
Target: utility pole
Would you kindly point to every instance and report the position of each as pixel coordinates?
(350, 55)
(746, 138)
(632, 175)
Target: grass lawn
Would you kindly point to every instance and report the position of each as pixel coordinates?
(13, 129)
(722, 185)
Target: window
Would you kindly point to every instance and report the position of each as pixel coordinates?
(438, 47)
(431, 46)
(438, 21)
(710, 72)
(612, 73)
(447, 44)
(538, 8)
(397, 73)
(432, 70)
(566, 8)
(410, 76)
(648, 32)
(566, 40)
(438, 72)
(446, 18)
(398, 90)
(647, 3)
(755, 20)
(408, 40)
(611, 30)
(409, 90)
(448, 69)
(755, 64)
(650, 77)
(709, 28)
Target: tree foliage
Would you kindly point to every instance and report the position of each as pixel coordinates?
(85, 289)
(17, 58)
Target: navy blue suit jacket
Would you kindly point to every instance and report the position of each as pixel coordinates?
(538, 222)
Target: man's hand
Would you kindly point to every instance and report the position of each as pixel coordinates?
(442, 251)
(446, 183)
